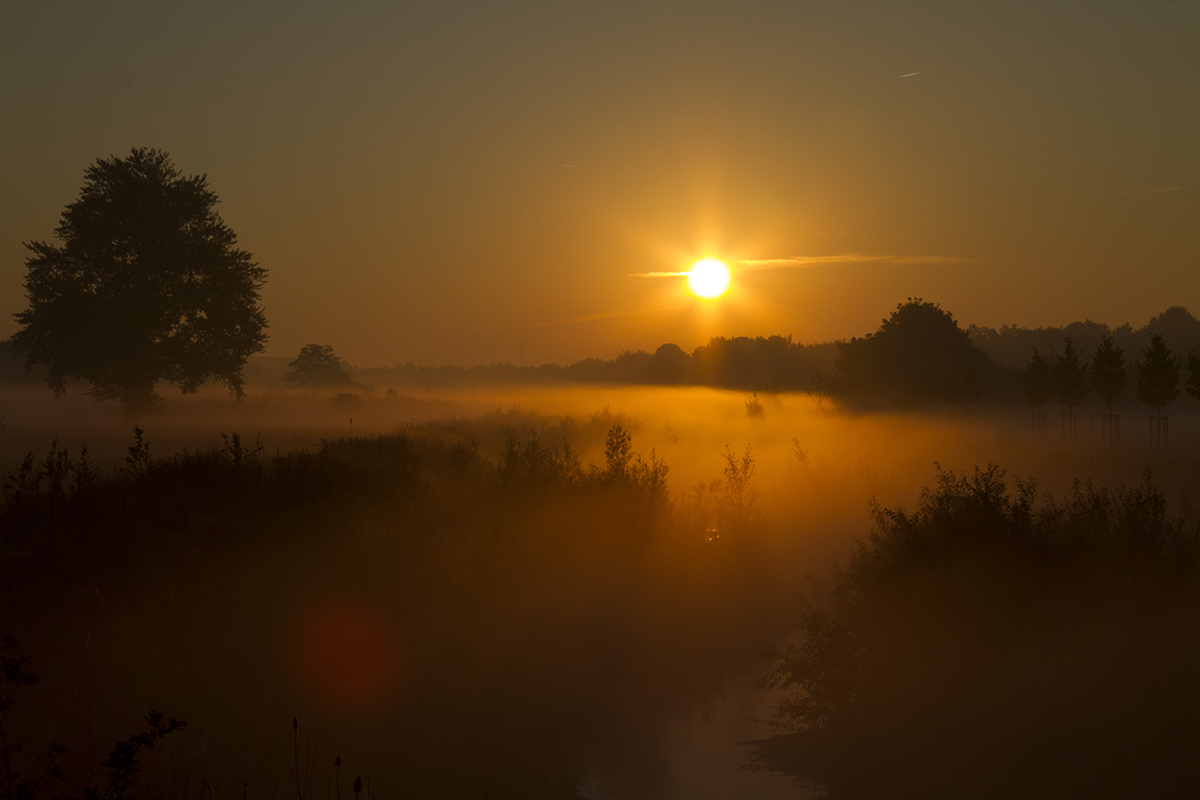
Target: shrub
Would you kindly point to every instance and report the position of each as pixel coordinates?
(935, 599)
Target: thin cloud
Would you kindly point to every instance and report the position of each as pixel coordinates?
(794, 262)
(808, 261)
(909, 75)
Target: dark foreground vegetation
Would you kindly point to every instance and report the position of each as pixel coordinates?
(994, 643)
(469, 609)
(446, 624)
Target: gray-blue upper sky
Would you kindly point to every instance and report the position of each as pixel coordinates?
(402, 169)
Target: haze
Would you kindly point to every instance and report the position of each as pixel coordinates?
(439, 183)
(599, 401)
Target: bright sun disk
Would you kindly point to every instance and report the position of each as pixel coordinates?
(708, 278)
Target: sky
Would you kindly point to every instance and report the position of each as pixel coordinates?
(452, 182)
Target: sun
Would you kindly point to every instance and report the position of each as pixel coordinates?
(708, 278)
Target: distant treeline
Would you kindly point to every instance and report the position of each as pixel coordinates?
(1011, 346)
(918, 356)
(766, 363)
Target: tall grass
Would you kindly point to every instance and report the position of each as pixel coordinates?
(528, 591)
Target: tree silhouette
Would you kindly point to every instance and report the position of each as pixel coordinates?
(1109, 376)
(1193, 374)
(1157, 375)
(1038, 383)
(317, 366)
(1069, 377)
(670, 364)
(1176, 324)
(147, 285)
(970, 390)
(919, 355)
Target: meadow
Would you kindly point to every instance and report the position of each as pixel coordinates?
(513, 593)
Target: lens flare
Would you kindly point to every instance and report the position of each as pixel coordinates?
(708, 278)
(345, 656)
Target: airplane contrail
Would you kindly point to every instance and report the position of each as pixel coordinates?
(909, 75)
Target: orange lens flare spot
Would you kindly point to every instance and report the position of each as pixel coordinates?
(708, 278)
(345, 657)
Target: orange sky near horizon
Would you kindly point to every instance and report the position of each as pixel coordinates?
(440, 183)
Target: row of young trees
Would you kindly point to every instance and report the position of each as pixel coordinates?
(1068, 377)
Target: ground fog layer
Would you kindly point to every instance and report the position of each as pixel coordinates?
(470, 593)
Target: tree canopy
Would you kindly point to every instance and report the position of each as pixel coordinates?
(1157, 375)
(1070, 377)
(1009, 345)
(918, 356)
(1038, 382)
(1193, 374)
(317, 366)
(147, 285)
(1108, 375)
(911, 612)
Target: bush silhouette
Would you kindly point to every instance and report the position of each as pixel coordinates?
(122, 762)
(317, 366)
(921, 575)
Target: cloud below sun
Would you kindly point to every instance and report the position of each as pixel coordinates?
(797, 262)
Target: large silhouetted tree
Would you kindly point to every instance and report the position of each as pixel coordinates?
(1157, 375)
(147, 285)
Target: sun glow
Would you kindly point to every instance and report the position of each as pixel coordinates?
(708, 278)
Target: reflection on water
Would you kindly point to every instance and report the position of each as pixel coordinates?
(703, 750)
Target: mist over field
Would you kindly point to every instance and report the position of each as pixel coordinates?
(599, 401)
(451, 601)
(508, 583)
